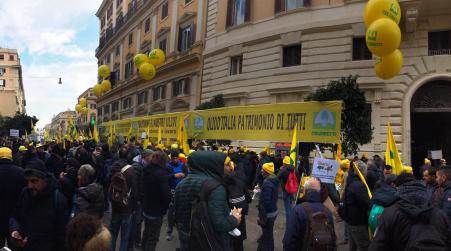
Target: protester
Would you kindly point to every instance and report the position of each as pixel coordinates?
(86, 233)
(442, 163)
(89, 198)
(156, 198)
(357, 206)
(204, 166)
(411, 223)
(433, 189)
(12, 182)
(178, 171)
(263, 159)
(384, 195)
(444, 181)
(299, 231)
(268, 207)
(18, 157)
(238, 197)
(40, 219)
(285, 171)
(373, 175)
(123, 196)
(387, 170)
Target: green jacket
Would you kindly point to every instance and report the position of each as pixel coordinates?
(204, 165)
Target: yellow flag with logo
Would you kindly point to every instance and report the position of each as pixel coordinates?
(294, 143)
(392, 156)
(159, 136)
(184, 137)
(338, 153)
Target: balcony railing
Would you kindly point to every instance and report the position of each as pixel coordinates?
(134, 7)
(440, 52)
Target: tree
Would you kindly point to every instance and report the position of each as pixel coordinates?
(20, 121)
(215, 102)
(356, 114)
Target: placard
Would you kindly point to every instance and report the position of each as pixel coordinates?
(325, 170)
(13, 132)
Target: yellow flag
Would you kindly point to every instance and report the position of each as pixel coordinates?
(90, 134)
(96, 134)
(184, 138)
(392, 156)
(294, 143)
(363, 180)
(110, 136)
(338, 154)
(129, 134)
(159, 136)
(180, 131)
(146, 140)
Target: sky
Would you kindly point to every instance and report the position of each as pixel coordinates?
(54, 38)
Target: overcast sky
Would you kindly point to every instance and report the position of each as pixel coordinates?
(55, 38)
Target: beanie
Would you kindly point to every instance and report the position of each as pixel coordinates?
(286, 160)
(146, 152)
(6, 153)
(36, 168)
(22, 148)
(268, 167)
(345, 164)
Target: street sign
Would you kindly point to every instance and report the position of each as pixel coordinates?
(13, 132)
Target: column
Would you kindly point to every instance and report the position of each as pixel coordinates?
(200, 20)
(173, 38)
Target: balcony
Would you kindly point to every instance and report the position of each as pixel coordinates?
(133, 8)
(440, 52)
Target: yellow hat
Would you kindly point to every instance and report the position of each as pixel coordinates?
(38, 145)
(181, 155)
(174, 146)
(22, 148)
(364, 156)
(407, 169)
(268, 167)
(427, 161)
(286, 160)
(228, 161)
(345, 164)
(6, 153)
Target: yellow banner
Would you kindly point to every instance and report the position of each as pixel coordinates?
(316, 121)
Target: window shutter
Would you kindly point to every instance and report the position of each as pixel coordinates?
(193, 35)
(229, 13)
(180, 39)
(247, 15)
(187, 86)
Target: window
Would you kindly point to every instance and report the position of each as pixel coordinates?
(164, 10)
(236, 65)
(181, 87)
(2, 57)
(92, 106)
(99, 111)
(107, 58)
(147, 25)
(130, 39)
(2, 71)
(238, 12)
(126, 103)
(109, 12)
(291, 55)
(285, 5)
(102, 22)
(359, 49)
(439, 43)
(115, 106)
(115, 76)
(186, 37)
(118, 50)
(106, 109)
(162, 44)
(129, 69)
(159, 92)
(11, 57)
(118, 3)
(142, 97)
(2, 82)
(188, 1)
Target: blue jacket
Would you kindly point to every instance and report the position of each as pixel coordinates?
(176, 168)
(269, 194)
(296, 226)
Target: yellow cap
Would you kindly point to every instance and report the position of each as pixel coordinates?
(427, 161)
(174, 146)
(6, 153)
(268, 167)
(38, 145)
(407, 169)
(22, 148)
(286, 160)
(345, 163)
(181, 155)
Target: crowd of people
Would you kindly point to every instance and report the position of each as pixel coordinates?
(54, 197)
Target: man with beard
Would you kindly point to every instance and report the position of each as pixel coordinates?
(40, 219)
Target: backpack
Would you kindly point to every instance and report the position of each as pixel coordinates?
(119, 191)
(373, 219)
(320, 234)
(291, 187)
(424, 237)
(202, 235)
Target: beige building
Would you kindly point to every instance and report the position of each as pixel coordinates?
(83, 120)
(129, 27)
(274, 51)
(12, 94)
(60, 122)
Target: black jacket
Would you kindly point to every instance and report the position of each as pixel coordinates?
(41, 218)
(132, 182)
(90, 200)
(237, 193)
(12, 182)
(156, 190)
(445, 203)
(395, 223)
(357, 202)
(384, 196)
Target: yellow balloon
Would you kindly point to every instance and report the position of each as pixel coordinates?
(383, 37)
(157, 57)
(147, 71)
(106, 85)
(82, 102)
(78, 108)
(104, 71)
(139, 59)
(84, 110)
(97, 89)
(376, 9)
(389, 66)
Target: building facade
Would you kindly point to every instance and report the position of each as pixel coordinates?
(83, 120)
(275, 51)
(60, 123)
(12, 94)
(129, 27)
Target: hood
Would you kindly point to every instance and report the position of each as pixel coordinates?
(384, 196)
(208, 162)
(413, 199)
(312, 196)
(91, 191)
(273, 179)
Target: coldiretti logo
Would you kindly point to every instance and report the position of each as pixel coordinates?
(324, 119)
(198, 125)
